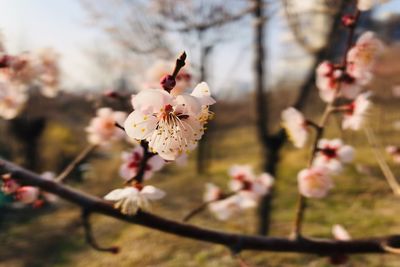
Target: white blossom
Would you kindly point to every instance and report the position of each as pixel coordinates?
(296, 126)
(130, 199)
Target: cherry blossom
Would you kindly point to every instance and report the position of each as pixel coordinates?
(262, 184)
(171, 125)
(394, 151)
(245, 182)
(212, 193)
(361, 57)
(102, 129)
(226, 208)
(132, 160)
(12, 98)
(355, 115)
(27, 194)
(161, 68)
(331, 81)
(332, 153)
(314, 182)
(296, 126)
(130, 199)
(48, 72)
(20, 69)
(9, 185)
(340, 233)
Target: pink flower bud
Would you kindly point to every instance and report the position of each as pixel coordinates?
(348, 20)
(9, 186)
(27, 194)
(111, 93)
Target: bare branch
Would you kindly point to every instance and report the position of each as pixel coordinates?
(81, 157)
(237, 242)
(214, 23)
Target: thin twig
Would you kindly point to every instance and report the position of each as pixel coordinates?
(81, 157)
(301, 205)
(119, 126)
(387, 172)
(90, 237)
(180, 63)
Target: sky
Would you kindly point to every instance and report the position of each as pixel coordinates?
(62, 25)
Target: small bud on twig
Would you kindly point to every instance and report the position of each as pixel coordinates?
(348, 20)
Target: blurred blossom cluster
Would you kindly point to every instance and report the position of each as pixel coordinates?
(346, 82)
(20, 73)
(28, 195)
(246, 190)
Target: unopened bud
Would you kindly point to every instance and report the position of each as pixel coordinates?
(111, 94)
(348, 20)
(168, 82)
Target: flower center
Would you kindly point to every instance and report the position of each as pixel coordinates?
(329, 152)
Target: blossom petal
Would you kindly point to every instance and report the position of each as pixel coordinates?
(139, 125)
(152, 193)
(203, 93)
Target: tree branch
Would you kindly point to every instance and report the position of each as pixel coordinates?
(213, 23)
(236, 242)
(81, 157)
(89, 235)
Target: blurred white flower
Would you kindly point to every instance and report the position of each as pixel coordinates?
(295, 125)
(130, 199)
(226, 208)
(354, 118)
(47, 72)
(212, 193)
(314, 182)
(362, 56)
(332, 153)
(245, 182)
(12, 99)
(132, 160)
(340, 233)
(102, 129)
(262, 184)
(27, 194)
(171, 125)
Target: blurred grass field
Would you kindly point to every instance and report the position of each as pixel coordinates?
(363, 203)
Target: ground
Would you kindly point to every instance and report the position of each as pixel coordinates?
(361, 201)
